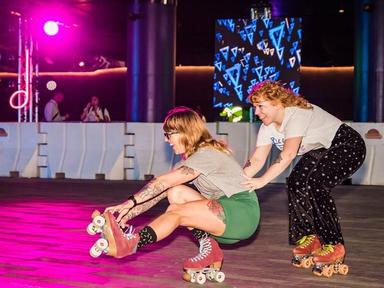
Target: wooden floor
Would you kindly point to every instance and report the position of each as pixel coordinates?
(44, 241)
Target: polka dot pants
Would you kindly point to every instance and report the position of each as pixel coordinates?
(312, 209)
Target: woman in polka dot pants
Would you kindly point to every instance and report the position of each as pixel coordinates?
(331, 152)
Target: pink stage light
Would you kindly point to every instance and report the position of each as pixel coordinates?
(20, 105)
(51, 28)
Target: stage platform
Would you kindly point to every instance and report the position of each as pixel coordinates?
(44, 242)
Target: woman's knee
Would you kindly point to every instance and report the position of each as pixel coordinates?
(174, 194)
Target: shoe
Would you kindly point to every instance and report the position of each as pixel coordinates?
(114, 242)
(330, 260)
(207, 264)
(304, 251)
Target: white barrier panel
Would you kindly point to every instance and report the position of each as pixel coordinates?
(371, 173)
(135, 150)
(147, 152)
(82, 150)
(18, 149)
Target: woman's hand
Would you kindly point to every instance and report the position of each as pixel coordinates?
(122, 209)
(253, 183)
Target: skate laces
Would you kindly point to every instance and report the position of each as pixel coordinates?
(326, 249)
(129, 233)
(306, 241)
(204, 250)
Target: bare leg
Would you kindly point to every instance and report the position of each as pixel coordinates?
(181, 194)
(206, 215)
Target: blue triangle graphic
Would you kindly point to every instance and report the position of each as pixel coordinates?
(239, 91)
(234, 74)
(280, 52)
(218, 65)
(276, 41)
(234, 51)
(266, 22)
(259, 70)
(224, 51)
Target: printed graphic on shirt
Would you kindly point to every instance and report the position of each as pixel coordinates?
(278, 142)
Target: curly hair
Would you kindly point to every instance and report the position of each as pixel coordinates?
(192, 129)
(275, 92)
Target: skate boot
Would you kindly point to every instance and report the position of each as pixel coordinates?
(113, 241)
(330, 260)
(303, 252)
(206, 265)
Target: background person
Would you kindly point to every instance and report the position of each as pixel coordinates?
(51, 109)
(94, 113)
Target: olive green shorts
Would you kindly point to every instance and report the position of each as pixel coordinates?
(242, 216)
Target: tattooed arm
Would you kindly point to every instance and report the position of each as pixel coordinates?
(257, 161)
(291, 146)
(153, 192)
(139, 209)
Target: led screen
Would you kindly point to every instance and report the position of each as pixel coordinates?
(249, 51)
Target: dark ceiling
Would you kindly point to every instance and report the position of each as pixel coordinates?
(98, 27)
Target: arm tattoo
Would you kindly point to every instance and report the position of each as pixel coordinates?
(141, 208)
(216, 208)
(278, 159)
(247, 164)
(186, 170)
(152, 189)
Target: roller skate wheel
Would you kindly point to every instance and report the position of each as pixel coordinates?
(296, 262)
(95, 213)
(306, 263)
(99, 221)
(91, 229)
(187, 277)
(327, 271)
(95, 252)
(220, 277)
(317, 271)
(102, 244)
(211, 275)
(200, 278)
(343, 269)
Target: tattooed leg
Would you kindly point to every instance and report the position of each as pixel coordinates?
(216, 208)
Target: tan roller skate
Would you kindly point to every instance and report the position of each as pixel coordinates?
(303, 252)
(206, 265)
(330, 260)
(113, 242)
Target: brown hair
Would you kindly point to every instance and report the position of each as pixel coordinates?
(194, 134)
(274, 91)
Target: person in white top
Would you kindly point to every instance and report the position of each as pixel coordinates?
(94, 113)
(331, 152)
(51, 109)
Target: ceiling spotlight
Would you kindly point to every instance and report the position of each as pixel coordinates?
(51, 85)
(51, 28)
(81, 64)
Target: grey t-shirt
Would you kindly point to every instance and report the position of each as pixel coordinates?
(220, 173)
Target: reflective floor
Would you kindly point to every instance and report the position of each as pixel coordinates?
(44, 242)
